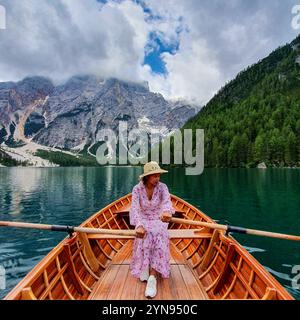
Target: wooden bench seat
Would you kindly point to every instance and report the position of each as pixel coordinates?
(174, 234)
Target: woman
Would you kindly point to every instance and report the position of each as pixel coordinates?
(151, 210)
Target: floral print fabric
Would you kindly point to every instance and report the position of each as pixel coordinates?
(153, 250)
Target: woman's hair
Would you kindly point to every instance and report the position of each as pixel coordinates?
(145, 179)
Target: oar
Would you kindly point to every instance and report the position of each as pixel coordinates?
(69, 229)
(228, 228)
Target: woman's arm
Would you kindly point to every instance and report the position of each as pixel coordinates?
(167, 207)
(135, 214)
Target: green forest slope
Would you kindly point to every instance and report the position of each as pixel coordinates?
(256, 117)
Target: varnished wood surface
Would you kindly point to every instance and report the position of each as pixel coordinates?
(118, 283)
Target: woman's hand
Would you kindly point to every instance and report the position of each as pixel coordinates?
(140, 232)
(166, 217)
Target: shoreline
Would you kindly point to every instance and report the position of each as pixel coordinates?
(133, 166)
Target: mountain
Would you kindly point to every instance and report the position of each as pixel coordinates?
(69, 116)
(17, 102)
(255, 118)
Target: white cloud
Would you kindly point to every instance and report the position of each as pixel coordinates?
(60, 38)
(193, 73)
(66, 37)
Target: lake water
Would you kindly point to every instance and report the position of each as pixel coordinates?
(260, 199)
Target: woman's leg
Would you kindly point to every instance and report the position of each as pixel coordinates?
(151, 288)
(153, 272)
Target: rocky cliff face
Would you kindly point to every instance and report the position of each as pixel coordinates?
(17, 102)
(70, 115)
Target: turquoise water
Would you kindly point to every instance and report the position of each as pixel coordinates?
(253, 198)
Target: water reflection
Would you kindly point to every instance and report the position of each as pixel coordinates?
(22, 182)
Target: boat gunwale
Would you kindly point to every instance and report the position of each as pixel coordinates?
(52, 254)
(249, 258)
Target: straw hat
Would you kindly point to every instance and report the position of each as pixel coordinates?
(151, 167)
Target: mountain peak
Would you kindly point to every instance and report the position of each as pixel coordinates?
(73, 113)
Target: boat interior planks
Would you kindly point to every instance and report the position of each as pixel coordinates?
(117, 283)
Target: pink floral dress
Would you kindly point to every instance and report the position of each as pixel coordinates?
(153, 250)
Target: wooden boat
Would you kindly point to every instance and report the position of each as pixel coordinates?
(205, 264)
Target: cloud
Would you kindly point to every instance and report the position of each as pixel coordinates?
(202, 44)
(193, 73)
(219, 39)
(61, 38)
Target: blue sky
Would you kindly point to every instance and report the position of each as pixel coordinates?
(184, 49)
(157, 47)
